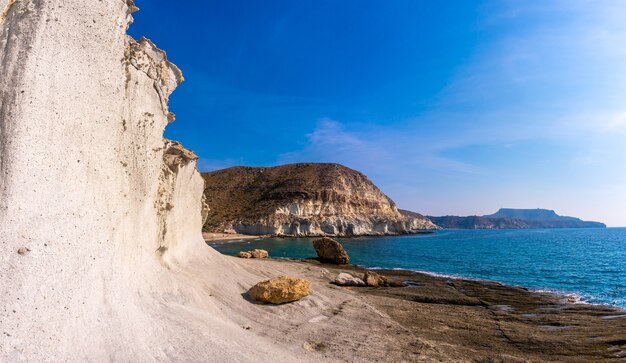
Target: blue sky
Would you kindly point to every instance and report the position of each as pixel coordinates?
(458, 107)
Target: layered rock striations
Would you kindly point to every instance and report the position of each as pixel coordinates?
(306, 199)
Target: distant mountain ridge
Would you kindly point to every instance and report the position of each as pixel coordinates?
(510, 218)
(529, 214)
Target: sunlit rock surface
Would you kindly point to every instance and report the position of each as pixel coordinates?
(306, 199)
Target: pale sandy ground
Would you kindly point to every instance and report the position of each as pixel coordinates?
(332, 324)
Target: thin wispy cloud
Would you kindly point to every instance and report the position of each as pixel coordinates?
(554, 83)
(373, 149)
(458, 107)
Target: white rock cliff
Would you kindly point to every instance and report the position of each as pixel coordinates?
(110, 213)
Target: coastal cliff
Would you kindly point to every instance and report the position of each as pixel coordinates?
(306, 199)
(101, 252)
(509, 218)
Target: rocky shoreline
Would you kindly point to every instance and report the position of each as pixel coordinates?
(437, 318)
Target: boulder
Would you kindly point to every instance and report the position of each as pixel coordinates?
(259, 253)
(373, 279)
(344, 279)
(329, 250)
(279, 290)
(23, 251)
(253, 254)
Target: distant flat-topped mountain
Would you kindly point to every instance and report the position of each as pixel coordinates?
(509, 218)
(305, 199)
(530, 214)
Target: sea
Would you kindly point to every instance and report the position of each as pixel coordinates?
(589, 264)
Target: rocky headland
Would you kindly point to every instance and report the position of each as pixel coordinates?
(509, 218)
(306, 199)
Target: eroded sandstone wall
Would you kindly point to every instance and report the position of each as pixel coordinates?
(87, 184)
(343, 226)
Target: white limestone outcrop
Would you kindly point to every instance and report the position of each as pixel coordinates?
(320, 225)
(101, 253)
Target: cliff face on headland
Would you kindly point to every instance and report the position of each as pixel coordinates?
(508, 218)
(106, 214)
(306, 199)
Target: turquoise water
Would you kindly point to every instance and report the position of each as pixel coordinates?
(590, 263)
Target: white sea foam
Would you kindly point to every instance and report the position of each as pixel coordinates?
(434, 274)
(570, 297)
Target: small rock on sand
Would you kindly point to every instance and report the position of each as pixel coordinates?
(280, 290)
(329, 250)
(313, 346)
(345, 279)
(23, 251)
(244, 254)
